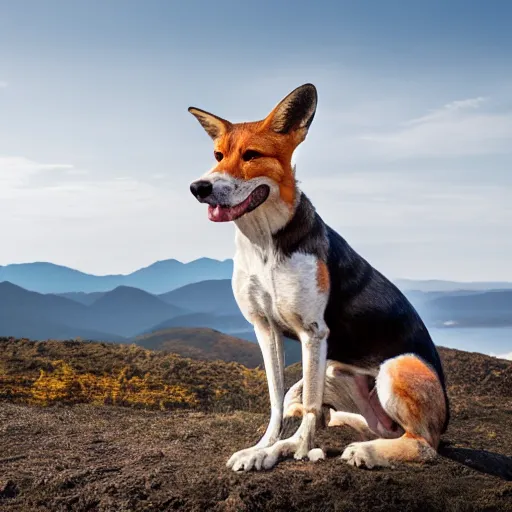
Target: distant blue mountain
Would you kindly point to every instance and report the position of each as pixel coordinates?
(125, 312)
(81, 297)
(25, 314)
(167, 275)
(211, 296)
(160, 277)
(115, 316)
(487, 309)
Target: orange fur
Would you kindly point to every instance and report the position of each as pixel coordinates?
(404, 448)
(322, 277)
(277, 150)
(385, 452)
(420, 407)
(274, 138)
(409, 374)
(416, 402)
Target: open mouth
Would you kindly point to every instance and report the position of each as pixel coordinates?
(220, 213)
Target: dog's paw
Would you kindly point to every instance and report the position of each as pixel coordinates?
(316, 454)
(267, 458)
(363, 455)
(245, 460)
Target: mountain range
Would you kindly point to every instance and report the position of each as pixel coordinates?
(163, 276)
(115, 316)
(122, 313)
(126, 312)
(160, 277)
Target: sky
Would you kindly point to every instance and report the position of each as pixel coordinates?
(409, 156)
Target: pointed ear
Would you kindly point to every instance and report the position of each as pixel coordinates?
(295, 112)
(215, 126)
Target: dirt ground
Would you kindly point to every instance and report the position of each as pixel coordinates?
(119, 459)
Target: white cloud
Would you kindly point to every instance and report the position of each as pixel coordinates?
(503, 356)
(3, 84)
(450, 108)
(411, 217)
(460, 128)
(72, 171)
(387, 199)
(17, 171)
(101, 225)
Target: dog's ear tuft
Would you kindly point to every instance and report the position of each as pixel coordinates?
(215, 126)
(296, 111)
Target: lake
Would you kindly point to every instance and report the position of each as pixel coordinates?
(493, 341)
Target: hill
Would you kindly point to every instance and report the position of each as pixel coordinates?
(99, 457)
(491, 308)
(81, 297)
(113, 316)
(211, 296)
(46, 277)
(234, 325)
(49, 372)
(160, 277)
(31, 314)
(225, 323)
(465, 307)
(204, 344)
(127, 311)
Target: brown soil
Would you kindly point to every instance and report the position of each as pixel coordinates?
(120, 459)
(106, 458)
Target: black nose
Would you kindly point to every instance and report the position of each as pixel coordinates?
(201, 188)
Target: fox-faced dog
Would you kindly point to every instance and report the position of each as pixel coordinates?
(367, 356)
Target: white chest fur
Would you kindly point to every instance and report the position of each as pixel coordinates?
(282, 290)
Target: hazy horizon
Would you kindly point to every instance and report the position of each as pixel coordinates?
(408, 157)
(400, 277)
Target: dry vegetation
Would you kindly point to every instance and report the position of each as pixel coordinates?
(71, 372)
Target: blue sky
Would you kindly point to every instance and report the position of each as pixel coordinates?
(409, 156)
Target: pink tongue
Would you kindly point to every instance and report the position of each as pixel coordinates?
(227, 213)
(220, 214)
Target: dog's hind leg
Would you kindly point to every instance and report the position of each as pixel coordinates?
(411, 394)
(352, 420)
(293, 401)
(339, 409)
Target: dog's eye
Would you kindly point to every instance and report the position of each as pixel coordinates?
(250, 154)
(218, 155)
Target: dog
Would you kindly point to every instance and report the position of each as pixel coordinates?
(367, 357)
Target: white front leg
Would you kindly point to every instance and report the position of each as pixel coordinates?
(271, 345)
(314, 359)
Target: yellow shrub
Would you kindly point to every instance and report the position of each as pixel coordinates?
(56, 386)
(64, 385)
